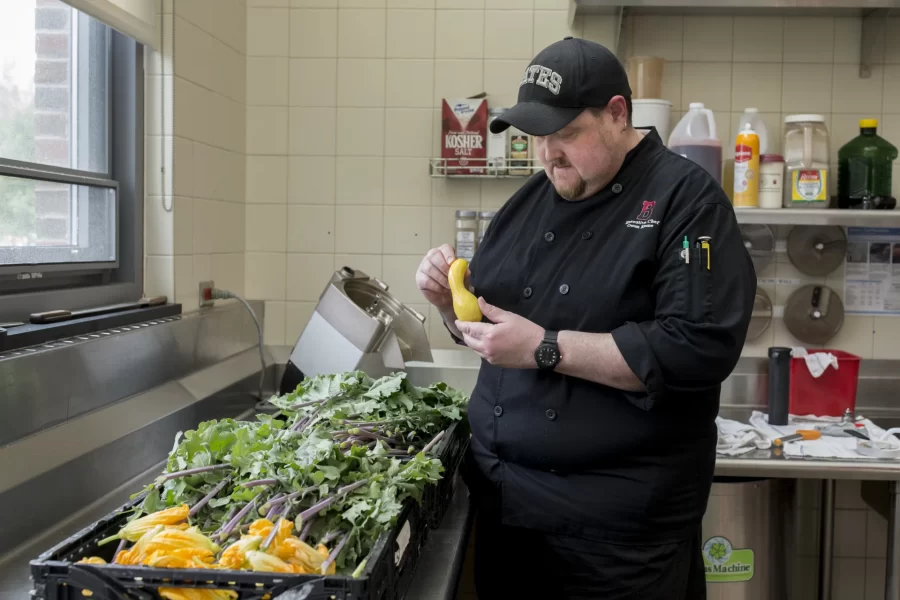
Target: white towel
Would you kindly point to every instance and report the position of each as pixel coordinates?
(816, 362)
(739, 438)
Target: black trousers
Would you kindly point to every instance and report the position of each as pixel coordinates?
(512, 562)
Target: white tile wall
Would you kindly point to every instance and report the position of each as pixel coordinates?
(195, 219)
(302, 129)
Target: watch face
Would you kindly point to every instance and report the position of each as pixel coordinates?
(547, 356)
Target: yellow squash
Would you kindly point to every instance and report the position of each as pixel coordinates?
(465, 304)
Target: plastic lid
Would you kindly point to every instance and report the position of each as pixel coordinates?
(771, 158)
(466, 213)
(751, 110)
(487, 213)
(804, 119)
(868, 123)
(694, 105)
(495, 111)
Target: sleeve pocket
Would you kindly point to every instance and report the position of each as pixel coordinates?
(696, 284)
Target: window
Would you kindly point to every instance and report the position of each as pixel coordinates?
(71, 116)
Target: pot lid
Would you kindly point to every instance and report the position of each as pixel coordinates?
(760, 243)
(762, 315)
(816, 249)
(814, 313)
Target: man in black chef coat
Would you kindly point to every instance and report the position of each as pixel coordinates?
(617, 293)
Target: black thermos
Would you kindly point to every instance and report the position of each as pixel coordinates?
(779, 385)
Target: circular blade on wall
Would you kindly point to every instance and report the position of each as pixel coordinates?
(816, 249)
(814, 313)
(762, 315)
(760, 243)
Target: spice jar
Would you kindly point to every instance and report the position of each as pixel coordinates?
(466, 233)
(484, 219)
(771, 181)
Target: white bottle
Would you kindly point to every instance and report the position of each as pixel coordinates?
(751, 115)
(695, 138)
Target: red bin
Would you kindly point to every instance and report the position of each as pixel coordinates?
(828, 395)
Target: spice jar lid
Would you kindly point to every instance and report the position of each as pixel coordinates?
(487, 214)
(771, 158)
(466, 213)
(496, 111)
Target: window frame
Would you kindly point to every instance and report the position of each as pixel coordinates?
(25, 290)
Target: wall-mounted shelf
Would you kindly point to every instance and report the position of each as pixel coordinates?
(818, 216)
(873, 12)
(440, 167)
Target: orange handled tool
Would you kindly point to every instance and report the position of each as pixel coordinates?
(801, 434)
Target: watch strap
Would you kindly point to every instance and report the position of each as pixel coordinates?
(550, 337)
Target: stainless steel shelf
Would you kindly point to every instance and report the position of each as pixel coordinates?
(441, 167)
(817, 216)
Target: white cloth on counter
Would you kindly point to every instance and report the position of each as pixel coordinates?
(816, 362)
(825, 447)
(739, 438)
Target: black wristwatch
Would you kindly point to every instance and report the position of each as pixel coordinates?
(547, 355)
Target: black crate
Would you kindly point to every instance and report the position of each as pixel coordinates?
(387, 575)
(436, 498)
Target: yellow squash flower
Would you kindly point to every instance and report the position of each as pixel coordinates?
(133, 530)
(235, 555)
(173, 538)
(260, 561)
(133, 555)
(304, 555)
(92, 560)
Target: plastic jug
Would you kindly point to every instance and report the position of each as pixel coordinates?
(864, 169)
(695, 138)
(751, 115)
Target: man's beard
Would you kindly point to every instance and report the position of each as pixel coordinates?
(570, 191)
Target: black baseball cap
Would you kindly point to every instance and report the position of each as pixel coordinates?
(565, 78)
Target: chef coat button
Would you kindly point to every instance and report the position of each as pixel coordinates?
(563, 289)
(527, 292)
(498, 410)
(551, 414)
(549, 236)
(587, 235)
(617, 187)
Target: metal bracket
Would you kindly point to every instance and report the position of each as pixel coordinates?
(872, 35)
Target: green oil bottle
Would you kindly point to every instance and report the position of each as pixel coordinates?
(864, 170)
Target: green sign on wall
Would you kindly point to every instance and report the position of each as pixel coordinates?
(724, 563)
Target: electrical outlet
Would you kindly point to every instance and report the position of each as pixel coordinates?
(206, 288)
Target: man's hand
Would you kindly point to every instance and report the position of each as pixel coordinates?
(431, 277)
(508, 341)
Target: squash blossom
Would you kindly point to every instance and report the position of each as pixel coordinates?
(235, 555)
(196, 594)
(305, 556)
(173, 539)
(260, 561)
(263, 527)
(133, 530)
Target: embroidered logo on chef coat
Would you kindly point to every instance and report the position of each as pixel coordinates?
(644, 220)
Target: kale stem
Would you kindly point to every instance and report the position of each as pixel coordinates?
(334, 553)
(194, 471)
(327, 502)
(205, 500)
(433, 442)
(256, 482)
